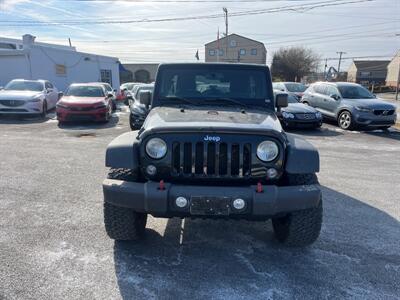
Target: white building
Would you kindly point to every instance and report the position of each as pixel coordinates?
(62, 65)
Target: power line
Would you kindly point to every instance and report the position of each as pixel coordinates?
(296, 8)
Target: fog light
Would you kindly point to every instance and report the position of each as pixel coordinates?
(151, 170)
(272, 173)
(239, 203)
(181, 202)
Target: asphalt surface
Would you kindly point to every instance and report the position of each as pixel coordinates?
(53, 244)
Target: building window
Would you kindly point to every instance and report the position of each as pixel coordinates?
(242, 52)
(365, 74)
(232, 44)
(211, 52)
(106, 76)
(253, 51)
(60, 70)
(220, 52)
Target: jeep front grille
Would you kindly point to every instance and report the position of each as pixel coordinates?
(210, 159)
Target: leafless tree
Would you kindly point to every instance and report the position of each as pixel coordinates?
(291, 64)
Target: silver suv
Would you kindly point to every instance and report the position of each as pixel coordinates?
(350, 104)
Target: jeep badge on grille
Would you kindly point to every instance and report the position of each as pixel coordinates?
(209, 138)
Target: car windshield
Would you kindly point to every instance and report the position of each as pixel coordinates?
(85, 91)
(292, 99)
(295, 87)
(128, 86)
(24, 85)
(143, 88)
(355, 92)
(245, 85)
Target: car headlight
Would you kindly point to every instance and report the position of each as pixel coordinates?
(267, 151)
(156, 148)
(287, 115)
(36, 99)
(318, 115)
(364, 109)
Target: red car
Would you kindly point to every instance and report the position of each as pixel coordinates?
(85, 102)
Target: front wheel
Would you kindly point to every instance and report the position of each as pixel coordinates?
(123, 223)
(300, 228)
(345, 120)
(132, 123)
(44, 110)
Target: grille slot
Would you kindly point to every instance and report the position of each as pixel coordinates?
(211, 159)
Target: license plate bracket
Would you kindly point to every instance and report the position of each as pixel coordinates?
(210, 206)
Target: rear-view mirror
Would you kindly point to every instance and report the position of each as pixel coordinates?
(281, 100)
(335, 96)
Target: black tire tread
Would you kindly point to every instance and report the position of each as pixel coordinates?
(299, 228)
(123, 223)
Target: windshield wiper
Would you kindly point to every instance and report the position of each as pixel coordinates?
(174, 98)
(229, 100)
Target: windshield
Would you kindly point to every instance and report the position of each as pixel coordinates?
(295, 87)
(355, 92)
(24, 86)
(143, 88)
(247, 85)
(292, 99)
(85, 91)
(128, 86)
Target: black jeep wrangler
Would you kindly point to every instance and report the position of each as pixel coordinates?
(212, 147)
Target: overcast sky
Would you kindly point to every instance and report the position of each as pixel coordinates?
(360, 29)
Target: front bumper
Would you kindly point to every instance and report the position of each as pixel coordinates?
(371, 120)
(65, 115)
(296, 123)
(23, 109)
(148, 198)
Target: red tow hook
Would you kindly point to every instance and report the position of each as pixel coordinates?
(259, 188)
(161, 186)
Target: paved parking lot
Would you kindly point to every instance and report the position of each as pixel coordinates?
(53, 244)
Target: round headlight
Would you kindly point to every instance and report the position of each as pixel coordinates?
(156, 148)
(267, 151)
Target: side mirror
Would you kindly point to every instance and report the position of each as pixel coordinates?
(114, 90)
(110, 95)
(145, 98)
(336, 97)
(49, 90)
(281, 100)
(60, 94)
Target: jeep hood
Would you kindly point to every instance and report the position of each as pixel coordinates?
(209, 118)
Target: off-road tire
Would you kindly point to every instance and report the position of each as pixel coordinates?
(123, 223)
(300, 228)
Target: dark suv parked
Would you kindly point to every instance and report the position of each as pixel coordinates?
(212, 147)
(350, 104)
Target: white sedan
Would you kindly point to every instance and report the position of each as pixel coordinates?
(28, 97)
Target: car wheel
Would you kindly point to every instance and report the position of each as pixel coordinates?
(123, 223)
(306, 103)
(299, 228)
(132, 123)
(44, 110)
(385, 127)
(108, 114)
(345, 120)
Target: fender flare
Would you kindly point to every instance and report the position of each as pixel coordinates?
(123, 152)
(301, 156)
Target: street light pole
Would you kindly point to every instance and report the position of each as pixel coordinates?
(226, 31)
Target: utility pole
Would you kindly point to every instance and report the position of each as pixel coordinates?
(226, 31)
(69, 40)
(326, 65)
(340, 60)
